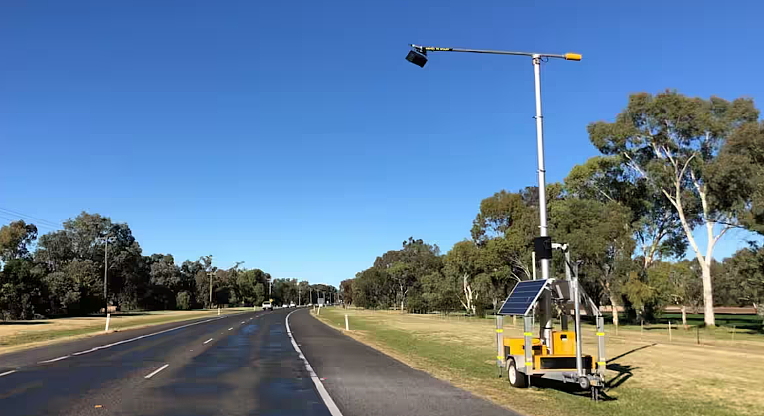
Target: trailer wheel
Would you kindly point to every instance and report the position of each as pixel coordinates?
(515, 377)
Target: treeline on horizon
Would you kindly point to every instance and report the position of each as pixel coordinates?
(64, 274)
(669, 165)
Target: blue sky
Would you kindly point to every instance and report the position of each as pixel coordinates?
(295, 137)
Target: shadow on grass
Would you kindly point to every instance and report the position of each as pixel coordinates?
(570, 388)
(625, 372)
(616, 358)
(23, 322)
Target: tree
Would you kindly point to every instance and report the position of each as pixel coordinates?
(684, 287)
(259, 293)
(747, 267)
(165, 279)
(372, 288)
(497, 215)
(440, 293)
(461, 266)
(739, 175)
(599, 234)
(655, 223)
(303, 291)
(183, 300)
(673, 141)
(404, 267)
(20, 289)
(15, 239)
(246, 282)
(346, 289)
(502, 266)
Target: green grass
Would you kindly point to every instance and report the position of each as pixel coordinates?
(655, 383)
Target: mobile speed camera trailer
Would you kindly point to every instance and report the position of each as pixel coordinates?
(554, 354)
(561, 359)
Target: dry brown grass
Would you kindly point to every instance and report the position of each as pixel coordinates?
(727, 376)
(18, 335)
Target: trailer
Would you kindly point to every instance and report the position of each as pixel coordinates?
(553, 354)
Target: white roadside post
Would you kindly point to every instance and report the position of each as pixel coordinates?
(108, 318)
(669, 331)
(218, 310)
(347, 325)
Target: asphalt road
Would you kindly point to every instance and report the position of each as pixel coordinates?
(248, 368)
(243, 364)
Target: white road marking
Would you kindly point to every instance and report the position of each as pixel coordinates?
(133, 339)
(333, 409)
(54, 359)
(208, 340)
(230, 328)
(7, 372)
(243, 321)
(153, 373)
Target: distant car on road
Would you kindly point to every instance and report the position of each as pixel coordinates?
(292, 305)
(267, 306)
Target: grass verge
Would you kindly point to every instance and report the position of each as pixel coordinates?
(18, 335)
(645, 376)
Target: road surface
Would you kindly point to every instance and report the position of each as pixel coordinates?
(244, 364)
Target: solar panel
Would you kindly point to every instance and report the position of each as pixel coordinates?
(522, 297)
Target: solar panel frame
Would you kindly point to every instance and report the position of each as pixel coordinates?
(523, 296)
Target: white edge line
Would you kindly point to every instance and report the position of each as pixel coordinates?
(131, 340)
(333, 409)
(7, 372)
(208, 340)
(54, 359)
(230, 328)
(153, 373)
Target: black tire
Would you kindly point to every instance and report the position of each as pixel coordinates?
(515, 377)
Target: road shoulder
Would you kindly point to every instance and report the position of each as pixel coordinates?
(364, 381)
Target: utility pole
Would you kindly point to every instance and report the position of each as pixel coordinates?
(106, 240)
(210, 274)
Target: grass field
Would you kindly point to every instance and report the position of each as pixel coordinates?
(647, 374)
(16, 335)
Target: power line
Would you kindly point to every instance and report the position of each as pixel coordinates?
(38, 220)
(39, 226)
